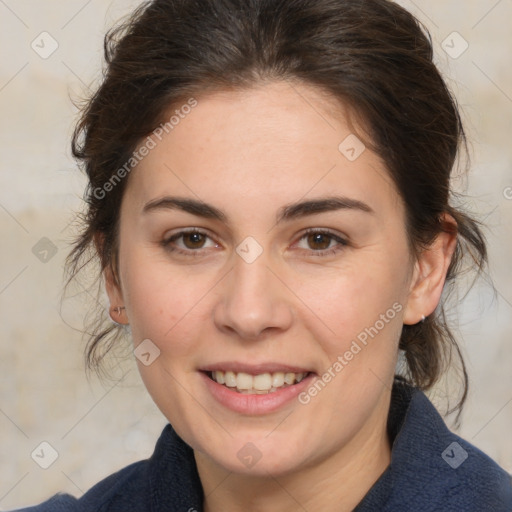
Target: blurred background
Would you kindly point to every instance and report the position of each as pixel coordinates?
(63, 431)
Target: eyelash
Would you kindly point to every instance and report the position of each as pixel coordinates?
(195, 253)
(189, 252)
(342, 243)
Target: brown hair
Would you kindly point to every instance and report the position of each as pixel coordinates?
(371, 54)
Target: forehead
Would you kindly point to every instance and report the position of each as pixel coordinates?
(279, 142)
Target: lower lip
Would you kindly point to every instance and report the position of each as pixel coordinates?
(255, 404)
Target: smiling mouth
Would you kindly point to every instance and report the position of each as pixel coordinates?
(261, 384)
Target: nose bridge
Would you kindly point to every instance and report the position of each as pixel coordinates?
(253, 300)
(252, 278)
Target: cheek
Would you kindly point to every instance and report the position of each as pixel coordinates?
(163, 303)
(361, 304)
(348, 300)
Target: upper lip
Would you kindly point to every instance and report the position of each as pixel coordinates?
(254, 369)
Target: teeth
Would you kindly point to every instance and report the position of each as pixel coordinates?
(262, 382)
(289, 378)
(257, 384)
(277, 379)
(244, 381)
(229, 379)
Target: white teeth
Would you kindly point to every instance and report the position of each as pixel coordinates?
(289, 378)
(277, 379)
(229, 379)
(262, 382)
(257, 384)
(243, 381)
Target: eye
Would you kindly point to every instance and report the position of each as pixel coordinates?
(321, 242)
(188, 242)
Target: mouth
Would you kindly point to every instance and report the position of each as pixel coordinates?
(260, 384)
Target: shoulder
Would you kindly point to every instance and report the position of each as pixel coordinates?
(439, 470)
(167, 479)
(58, 503)
(125, 488)
(469, 478)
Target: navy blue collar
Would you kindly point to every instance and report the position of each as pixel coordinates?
(431, 468)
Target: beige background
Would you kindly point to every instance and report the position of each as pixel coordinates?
(96, 429)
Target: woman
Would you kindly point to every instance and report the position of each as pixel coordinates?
(269, 198)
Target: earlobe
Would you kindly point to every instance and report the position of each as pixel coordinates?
(429, 274)
(117, 315)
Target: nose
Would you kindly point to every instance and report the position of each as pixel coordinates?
(253, 301)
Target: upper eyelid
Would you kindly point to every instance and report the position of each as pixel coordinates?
(186, 231)
(333, 234)
(323, 231)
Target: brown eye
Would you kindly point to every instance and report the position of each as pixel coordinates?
(194, 240)
(190, 243)
(319, 241)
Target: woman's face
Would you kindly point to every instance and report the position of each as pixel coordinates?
(294, 261)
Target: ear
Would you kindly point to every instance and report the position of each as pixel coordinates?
(430, 272)
(112, 286)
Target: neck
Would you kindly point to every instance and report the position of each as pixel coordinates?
(337, 483)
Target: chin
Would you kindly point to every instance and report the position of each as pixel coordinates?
(261, 455)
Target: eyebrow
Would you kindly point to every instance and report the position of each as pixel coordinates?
(328, 204)
(193, 206)
(286, 213)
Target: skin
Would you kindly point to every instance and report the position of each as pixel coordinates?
(250, 153)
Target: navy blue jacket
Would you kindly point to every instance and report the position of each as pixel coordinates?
(431, 470)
